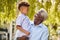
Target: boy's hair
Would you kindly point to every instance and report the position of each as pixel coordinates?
(23, 4)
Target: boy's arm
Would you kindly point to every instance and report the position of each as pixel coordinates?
(21, 29)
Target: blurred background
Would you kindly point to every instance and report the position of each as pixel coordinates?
(9, 12)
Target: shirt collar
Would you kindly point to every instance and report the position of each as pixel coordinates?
(21, 14)
(40, 25)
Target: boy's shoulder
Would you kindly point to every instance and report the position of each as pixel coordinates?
(21, 16)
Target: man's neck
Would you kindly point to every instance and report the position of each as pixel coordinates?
(36, 24)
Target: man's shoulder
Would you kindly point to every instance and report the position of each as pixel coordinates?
(44, 27)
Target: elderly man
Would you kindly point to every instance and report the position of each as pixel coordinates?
(38, 30)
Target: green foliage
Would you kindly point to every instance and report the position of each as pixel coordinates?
(47, 5)
(7, 10)
(32, 8)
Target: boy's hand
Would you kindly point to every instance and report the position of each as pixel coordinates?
(27, 33)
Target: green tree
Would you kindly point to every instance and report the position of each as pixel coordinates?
(32, 8)
(7, 10)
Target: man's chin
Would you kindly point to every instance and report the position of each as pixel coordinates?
(34, 23)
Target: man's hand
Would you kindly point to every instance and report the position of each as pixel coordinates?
(23, 38)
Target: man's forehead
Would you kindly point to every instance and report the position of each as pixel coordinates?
(40, 13)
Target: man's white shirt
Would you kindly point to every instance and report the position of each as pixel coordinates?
(39, 32)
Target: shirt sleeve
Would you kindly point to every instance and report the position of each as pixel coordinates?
(45, 35)
(19, 20)
(26, 24)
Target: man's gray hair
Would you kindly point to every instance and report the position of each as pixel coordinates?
(43, 13)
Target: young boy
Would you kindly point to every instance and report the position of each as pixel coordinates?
(22, 21)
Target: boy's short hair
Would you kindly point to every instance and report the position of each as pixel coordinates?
(23, 4)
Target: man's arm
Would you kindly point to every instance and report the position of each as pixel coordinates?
(45, 35)
(22, 30)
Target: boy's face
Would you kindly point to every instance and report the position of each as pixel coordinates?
(24, 9)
